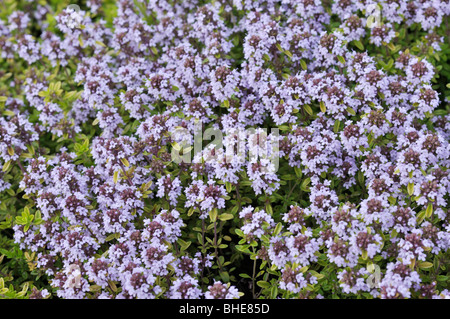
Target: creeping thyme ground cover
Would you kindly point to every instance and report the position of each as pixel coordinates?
(103, 194)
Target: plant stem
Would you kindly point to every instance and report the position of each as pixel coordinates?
(130, 182)
(215, 246)
(253, 276)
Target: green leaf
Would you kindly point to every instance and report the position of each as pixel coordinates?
(239, 232)
(364, 255)
(429, 210)
(421, 216)
(410, 189)
(359, 45)
(6, 166)
(7, 223)
(69, 95)
(394, 233)
(9, 113)
(425, 265)
(304, 269)
(392, 200)
(225, 216)
(57, 86)
(370, 20)
(304, 186)
(317, 275)
(95, 288)
(269, 209)
(288, 177)
(125, 162)
(337, 125)
(277, 229)
(236, 40)
(112, 236)
(279, 47)
(361, 178)
(390, 64)
(263, 284)
(323, 108)
(351, 111)
(308, 109)
(274, 291)
(112, 285)
(213, 214)
(392, 47)
(176, 146)
(303, 64)
(20, 220)
(234, 210)
(26, 212)
(184, 245)
(38, 218)
(146, 186)
(224, 276)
